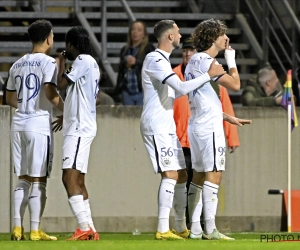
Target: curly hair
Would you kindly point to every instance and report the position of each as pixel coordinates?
(79, 38)
(207, 32)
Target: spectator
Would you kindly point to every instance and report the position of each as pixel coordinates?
(182, 114)
(129, 82)
(265, 92)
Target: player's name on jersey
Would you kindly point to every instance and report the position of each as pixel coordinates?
(27, 63)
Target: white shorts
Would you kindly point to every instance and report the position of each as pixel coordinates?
(208, 149)
(165, 152)
(75, 153)
(32, 153)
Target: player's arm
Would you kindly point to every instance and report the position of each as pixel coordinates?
(11, 98)
(235, 120)
(98, 99)
(232, 80)
(53, 96)
(11, 93)
(188, 86)
(62, 82)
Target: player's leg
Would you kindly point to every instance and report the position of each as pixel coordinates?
(195, 204)
(160, 150)
(180, 195)
(210, 199)
(165, 202)
(210, 204)
(39, 158)
(21, 192)
(189, 170)
(86, 201)
(195, 190)
(214, 164)
(74, 157)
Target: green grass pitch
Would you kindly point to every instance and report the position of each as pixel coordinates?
(145, 241)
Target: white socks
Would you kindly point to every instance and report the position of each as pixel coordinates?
(179, 205)
(165, 201)
(36, 204)
(89, 214)
(195, 207)
(210, 204)
(78, 208)
(20, 201)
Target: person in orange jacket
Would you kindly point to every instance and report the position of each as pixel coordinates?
(182, 113)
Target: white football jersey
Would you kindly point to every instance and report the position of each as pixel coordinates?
(80, 103)
(205, 105)
(27, 76)
(157, 115)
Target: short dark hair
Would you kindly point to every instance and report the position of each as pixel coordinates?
(207, 32)
(79, 38)
(161, 26)
(39, 30)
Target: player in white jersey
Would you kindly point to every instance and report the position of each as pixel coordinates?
(160, 86)
(205, 129)
(79, 125)
(31, 89)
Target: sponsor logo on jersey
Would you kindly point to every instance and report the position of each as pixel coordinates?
(66, 158)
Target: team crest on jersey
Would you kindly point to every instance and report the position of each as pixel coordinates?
(166, 161)
(222, 161)
(69, 70)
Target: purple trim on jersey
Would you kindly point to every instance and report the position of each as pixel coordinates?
(51, 83)
(163, 55)
(156, 155)
(209, 186)
(219, 77)
(76, 153)
(48, 155)
(68, 79)
(10, 90)
(163, 82)
(214, 150)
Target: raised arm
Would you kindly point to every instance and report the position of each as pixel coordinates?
(232, 80)
(62, 82)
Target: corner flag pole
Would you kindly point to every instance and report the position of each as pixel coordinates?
(289, 212)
